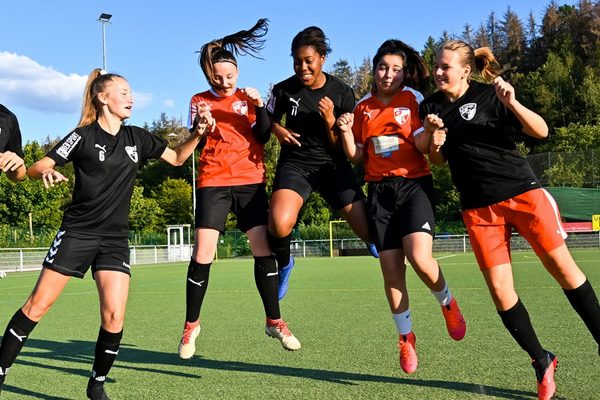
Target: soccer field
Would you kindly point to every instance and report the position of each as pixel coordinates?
(338, 310)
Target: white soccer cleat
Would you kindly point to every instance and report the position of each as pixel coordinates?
(278, 329)
(187, 346)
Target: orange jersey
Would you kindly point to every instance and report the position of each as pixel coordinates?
(386, 134)
(232, 154)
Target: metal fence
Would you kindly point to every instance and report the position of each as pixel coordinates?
(28, 259)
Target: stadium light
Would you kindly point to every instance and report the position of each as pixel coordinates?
(104, 19)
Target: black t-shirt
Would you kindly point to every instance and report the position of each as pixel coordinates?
(10, 134)
(105, 170)
(485, 165)
(300, 105)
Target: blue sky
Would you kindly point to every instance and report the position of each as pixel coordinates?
(48, 48)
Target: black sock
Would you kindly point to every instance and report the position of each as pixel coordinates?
(195, 289)
(516, 320)
(281, 248)
(584, 301)
(107, 348)
(267, 281)
(14, 339)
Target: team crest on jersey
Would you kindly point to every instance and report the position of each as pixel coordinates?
(240, 107)
(68, 145)
(402, 114)
(132, 153)
(467, 111)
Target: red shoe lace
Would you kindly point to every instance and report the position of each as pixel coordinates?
(187, 331)
(281, 326)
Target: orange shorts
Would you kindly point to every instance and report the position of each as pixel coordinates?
(533, 214)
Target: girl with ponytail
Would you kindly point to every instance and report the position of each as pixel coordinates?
(470, 125)
(386, 133)
(106, 156)
(231, 178)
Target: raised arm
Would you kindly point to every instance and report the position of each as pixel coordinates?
(178, 155)
(533, 124)
(352, 151)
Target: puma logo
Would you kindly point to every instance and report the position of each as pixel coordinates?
(295, 106)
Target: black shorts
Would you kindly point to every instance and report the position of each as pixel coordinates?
(397, 207)
(72, 254)
(248, 203)
(335, 183)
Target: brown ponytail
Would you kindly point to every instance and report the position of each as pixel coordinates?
(238, 44)
(481, 60)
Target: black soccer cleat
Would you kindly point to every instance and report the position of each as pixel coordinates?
(95, 390)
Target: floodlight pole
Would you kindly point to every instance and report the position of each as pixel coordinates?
(104, 19)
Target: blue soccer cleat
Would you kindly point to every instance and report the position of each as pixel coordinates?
(372, 249)
(284, 278)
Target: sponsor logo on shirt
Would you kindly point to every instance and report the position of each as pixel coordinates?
(295, 106)
(132, 153)
(402, 114)
(69, 144)
(467, 111)
(240, 107)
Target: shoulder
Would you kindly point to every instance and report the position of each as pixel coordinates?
(136, 130)
(478, 89)
(336, 82)
(201, 96)
(437, 97)
(415, 94)
(5, 112)
(289, 83)
(365, 100)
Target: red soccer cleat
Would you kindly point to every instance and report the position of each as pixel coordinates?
(408, 353)
(455, 323)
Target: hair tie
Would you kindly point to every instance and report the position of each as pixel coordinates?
(103, 72)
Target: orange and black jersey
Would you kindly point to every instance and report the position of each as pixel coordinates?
(105, 170)
(300, 106)
(485, 165)
(10, 134)
(233, 154)
(387, 132)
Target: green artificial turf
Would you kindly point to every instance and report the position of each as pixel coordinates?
(337, 309)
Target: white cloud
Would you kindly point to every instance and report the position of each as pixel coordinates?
(141, 100)
(26, 83)
(170, 103)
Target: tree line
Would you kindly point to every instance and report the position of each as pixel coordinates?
(554, 65)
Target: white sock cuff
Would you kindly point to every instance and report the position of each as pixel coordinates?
(403, 322)
(444, 296)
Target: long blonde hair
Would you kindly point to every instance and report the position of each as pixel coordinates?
(96, 84)
(481, 60)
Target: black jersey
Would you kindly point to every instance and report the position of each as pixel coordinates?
(10, 134)
(300, 105)
(485, 165)
(105, 170)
